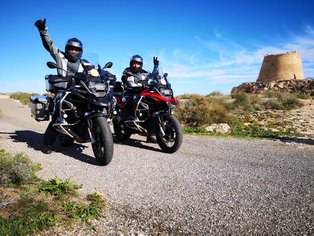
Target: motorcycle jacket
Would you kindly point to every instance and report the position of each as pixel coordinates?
(67, 67)
(132, 81)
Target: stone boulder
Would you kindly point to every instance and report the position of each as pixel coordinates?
(221, 128)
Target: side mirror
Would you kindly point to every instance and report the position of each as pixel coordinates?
(52, 65)
(108, 65)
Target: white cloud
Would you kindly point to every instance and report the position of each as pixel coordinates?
(309, 29)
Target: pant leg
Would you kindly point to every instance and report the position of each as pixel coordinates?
(50, 134)
(151, 127)
(134, 104)
(129, 103)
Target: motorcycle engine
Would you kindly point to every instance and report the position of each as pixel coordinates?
(142, 112)
(70, 112)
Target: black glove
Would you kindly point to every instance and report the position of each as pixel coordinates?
(41, 24)
(156, 62)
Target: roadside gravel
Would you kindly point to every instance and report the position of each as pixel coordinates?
(209, 187)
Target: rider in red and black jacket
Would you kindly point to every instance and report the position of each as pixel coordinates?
(133, 82)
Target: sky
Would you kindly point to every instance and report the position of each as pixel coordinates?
(204, 46)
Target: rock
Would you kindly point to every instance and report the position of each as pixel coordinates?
(221, 128)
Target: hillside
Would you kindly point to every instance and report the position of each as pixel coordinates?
(301, 119)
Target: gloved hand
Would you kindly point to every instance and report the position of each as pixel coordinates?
(41, 24)
(156, 62)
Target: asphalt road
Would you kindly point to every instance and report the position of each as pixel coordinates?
(210, 186)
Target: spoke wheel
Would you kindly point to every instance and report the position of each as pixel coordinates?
(172, 138)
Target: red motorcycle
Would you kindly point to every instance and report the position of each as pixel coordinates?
(153, 114)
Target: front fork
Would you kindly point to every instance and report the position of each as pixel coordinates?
(90, 124)
(161, 125)
(89, 129)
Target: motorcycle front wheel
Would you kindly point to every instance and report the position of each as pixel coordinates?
(103, 145)
(170, 139)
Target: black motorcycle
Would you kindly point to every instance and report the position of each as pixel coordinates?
(79, 106)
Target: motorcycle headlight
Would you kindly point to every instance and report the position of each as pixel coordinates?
(98, 89)
(166, 92)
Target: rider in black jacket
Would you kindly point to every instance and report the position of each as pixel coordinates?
(69, 61)
(134, 80)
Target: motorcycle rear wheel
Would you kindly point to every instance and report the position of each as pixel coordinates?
(172, 140)
(103, 145)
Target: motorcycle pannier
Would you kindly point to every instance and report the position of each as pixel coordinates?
(39, 107)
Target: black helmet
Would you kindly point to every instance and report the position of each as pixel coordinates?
(138, 59)
(74, 49)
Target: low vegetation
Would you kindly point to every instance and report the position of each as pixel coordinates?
(22, 97)
(243, 113)
(29, 205)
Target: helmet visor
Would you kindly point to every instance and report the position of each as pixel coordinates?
(74, 49)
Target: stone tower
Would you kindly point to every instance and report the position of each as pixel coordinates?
(285, 66)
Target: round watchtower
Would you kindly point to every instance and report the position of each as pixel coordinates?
(285, 66)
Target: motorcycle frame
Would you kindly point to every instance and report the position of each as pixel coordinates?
(62, 127)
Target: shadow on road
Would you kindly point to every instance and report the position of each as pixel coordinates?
(136, 143)
(34, 140)
(31, 138)
(296, 140)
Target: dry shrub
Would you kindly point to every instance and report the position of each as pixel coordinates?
(196, 111)
(15, 169)
(245, 102)
(22, 97)
(282, 101)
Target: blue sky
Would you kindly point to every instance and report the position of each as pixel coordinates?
(204, 46)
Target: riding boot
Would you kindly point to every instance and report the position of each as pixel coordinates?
(151, 137)
(49, 137)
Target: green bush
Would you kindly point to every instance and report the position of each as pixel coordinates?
(285, 101)
(16, 169)
(197, 111)
(303, 96)
(244, 102)
(215, 94)
(272, 103)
